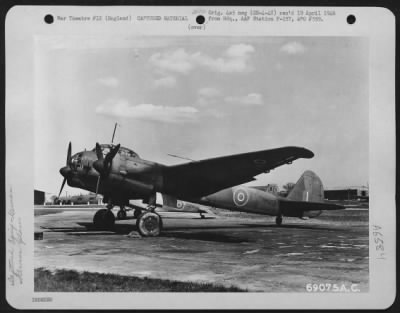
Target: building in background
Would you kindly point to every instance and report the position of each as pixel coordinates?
(347, 193)
(90, 198)
(38, 197)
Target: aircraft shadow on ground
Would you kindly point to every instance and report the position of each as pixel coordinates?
(283, 226)
(177, 232)
(118, 229)
(184, 232)
(90, 229)
(206, 227)
(205, 236)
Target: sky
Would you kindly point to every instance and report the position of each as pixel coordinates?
(204, 97)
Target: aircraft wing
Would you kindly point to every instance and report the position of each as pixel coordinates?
(200, 178)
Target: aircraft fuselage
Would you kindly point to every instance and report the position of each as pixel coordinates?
(244, 199)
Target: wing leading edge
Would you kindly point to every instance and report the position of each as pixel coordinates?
(201, 178)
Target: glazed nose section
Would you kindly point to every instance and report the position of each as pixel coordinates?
(65, 171)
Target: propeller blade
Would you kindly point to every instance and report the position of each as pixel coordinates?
(97, 185)
(103, 166)
(62, 186)
(110, 155)
(69, 153)
(99, 153)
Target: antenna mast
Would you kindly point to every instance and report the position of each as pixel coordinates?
(115, 127)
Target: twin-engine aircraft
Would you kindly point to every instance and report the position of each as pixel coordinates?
(120, 175)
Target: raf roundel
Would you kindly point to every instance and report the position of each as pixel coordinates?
(240, 197)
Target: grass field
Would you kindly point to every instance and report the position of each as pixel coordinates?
(73, 281)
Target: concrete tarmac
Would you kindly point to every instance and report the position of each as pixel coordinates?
(244, 250)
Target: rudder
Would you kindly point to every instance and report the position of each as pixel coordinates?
(308, 188)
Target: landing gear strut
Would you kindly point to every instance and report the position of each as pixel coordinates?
(278, 220)
(104, 218)
(137, 213)
(121, 215)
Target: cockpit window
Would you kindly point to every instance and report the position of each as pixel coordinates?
(126, 152)
(122, 151)
(76, 160)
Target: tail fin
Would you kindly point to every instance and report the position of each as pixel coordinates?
(308, 188)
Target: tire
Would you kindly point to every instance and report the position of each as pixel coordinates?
(121, 215)
(149, 224)
(104, 219)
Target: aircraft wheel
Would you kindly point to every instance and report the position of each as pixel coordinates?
(104, 219)
(121, 215)
(278, 220)
(137, 213)
(149, 224)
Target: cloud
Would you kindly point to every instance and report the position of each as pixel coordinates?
(209, 92)
(293, 47)
(108, 81)
(215, 113)
(250, 99)
(176, 61)
(234, 59)
(148, 112)
(167, 81)
(208, 96)
(239, 50)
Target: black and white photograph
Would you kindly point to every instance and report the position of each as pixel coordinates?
(180, 162)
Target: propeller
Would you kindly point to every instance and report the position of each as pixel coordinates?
(99, 153)
(62, 186)
(103, 165)
(66, 169)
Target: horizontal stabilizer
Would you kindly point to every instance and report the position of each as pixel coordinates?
(306, 198)
(297, 208)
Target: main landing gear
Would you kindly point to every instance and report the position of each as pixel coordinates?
(137, 213)
(149, 224)
(121, 215)
(278, 220)
(104, 218)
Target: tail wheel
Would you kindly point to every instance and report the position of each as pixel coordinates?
(149, 224)
(104, 219)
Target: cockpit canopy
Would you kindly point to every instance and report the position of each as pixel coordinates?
(105, 148)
